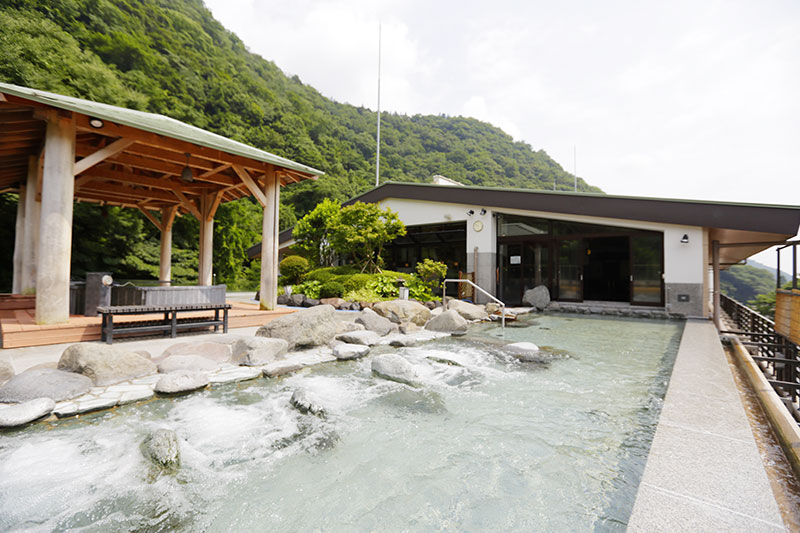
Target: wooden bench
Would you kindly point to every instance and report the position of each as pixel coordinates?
(170, 324)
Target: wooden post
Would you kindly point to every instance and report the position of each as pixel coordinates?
(205, 276)
(19, 243)
(165, 265)
(31, 232)
(55, 235)
(715, 261)
(269, 242)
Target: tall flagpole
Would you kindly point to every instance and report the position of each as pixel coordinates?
(378, 140)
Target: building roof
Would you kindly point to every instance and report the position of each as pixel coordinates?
(153, 123)
(730, 221)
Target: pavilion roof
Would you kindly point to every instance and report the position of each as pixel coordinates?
(135, 158)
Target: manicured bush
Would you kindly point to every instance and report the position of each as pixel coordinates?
(320, 274)
(293, 267)
(362, 295)
(331, 289)
(385, 286)
(356, 282)
(310, 288)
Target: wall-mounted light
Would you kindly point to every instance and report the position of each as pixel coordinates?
(96, 123)
(483, 211)
(186, 173)
(470, 212)
(685, 239)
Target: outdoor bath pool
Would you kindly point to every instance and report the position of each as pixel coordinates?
(485, 443)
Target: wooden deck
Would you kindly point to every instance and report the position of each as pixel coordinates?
(18, 328)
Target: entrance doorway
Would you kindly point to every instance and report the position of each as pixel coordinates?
(607, 270)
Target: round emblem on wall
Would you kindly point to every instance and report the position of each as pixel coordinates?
(478, 225)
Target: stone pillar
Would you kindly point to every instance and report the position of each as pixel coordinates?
(55, 235)
(165, 265)
(205, 275)
(31, 232)
(269, 243)
(19, 243)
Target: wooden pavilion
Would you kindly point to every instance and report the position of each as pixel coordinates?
(56, 149)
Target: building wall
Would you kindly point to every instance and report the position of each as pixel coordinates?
(684, 263)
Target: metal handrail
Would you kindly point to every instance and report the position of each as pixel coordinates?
(444, 296)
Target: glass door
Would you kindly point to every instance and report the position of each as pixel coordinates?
(510, 273)
(646, 269)
(570, 269)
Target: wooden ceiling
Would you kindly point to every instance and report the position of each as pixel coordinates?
(122, 165)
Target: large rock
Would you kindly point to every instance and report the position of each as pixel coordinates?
(448, 322)
(23, 413)
(219, 350)
(344, 351)
(335, 302)
(468, 310)
(399, 311)
(374, 322)
(524, 351)
(173, 363)
(315, 326)
(181, 381)
(365, 337)
(44, 383)
(257, 351)
(105, 364)
(296, 300)
(538, 297)
(6, 371)
(161, 447)
(394, 368)
(306, 403)
(344, 326)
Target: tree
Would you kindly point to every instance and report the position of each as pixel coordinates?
(362, 230)
(313, 233)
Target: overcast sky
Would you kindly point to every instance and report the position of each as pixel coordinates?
(680, 99)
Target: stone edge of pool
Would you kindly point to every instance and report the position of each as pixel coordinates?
(703, 471)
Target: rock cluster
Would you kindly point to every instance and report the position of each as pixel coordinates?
(104, 364)
(315, 326)
(44, 383)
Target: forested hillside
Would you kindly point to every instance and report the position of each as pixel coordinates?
(744, 282)
(172, 57)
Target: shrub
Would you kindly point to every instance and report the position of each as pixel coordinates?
(320, 274)
(309, 288)
(385, 286)
(419, 290)
(293, 267)
(331, 289)
(362, 295)
(356, 282)
(431, 272)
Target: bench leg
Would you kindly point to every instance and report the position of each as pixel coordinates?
(216, 319)
(110, 331)
(225, 321)
(174, 329)
(103, 318)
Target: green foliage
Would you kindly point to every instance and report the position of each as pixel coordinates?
(331, 289)
(314, 231)
(363, 295)
(321, 274)
(310, 288)
(362, 230)
(431, 272)
(384, 286)
(745, 282)
(357, 282)
(173, 58)
(292, 268)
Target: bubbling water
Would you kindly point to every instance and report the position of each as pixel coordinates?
(484, 441)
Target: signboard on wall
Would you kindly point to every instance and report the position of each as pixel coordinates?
(516, 259)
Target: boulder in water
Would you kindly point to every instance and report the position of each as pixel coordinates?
(394, 368)
(161, 447)
(399, 311)
(374, 322)
(467, 310)
(197, 363)
(219, 350)
(257, 351)
(44, 383)
(306, 403)
(6, 371)
(345, 351)
(105, 364)
(448, 322)
(23, 413)
(538, 297)
(315, 326)
(524, 351)
(365, 337)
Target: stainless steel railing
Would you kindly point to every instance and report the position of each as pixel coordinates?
(502, 305)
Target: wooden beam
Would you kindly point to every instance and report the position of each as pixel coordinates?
(214, 205)
(136, 161)
(213, 171)
(101, 155)
(149, 216)
(83, 180)
(190, 206)
(251, 185)
(127, 192)
(126, 177)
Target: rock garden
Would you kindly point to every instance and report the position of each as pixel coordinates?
(93, 376)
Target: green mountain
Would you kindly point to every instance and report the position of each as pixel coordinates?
(172, 57)
(744, 282)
